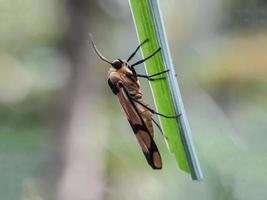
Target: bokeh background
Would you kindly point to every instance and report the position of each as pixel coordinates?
(63, 135)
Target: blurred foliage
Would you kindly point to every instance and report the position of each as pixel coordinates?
(247, 14)
(221, 65)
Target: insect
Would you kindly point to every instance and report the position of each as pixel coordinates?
(123, 81)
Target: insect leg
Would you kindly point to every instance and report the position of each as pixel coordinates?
(165, 71)
(143, 60)
(133, 54)
(150, 77)
(154, 112)
(158, 127)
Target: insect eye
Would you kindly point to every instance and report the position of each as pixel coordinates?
(117, 64)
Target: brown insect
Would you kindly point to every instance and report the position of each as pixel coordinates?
(123, 81)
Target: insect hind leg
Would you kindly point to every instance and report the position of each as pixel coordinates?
(160, 129)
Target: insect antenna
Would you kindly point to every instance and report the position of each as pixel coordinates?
(98, 52)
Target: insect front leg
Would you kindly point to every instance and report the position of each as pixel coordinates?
(133, 54)
(143, 60)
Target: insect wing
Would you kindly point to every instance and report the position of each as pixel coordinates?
(141, 132)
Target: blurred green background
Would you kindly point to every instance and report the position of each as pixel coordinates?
(63, 134)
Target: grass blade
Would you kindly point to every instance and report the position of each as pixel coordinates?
(166, 93)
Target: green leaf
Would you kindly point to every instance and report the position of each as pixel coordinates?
(166, 94)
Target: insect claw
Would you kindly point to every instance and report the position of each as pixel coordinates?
(179, 115)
